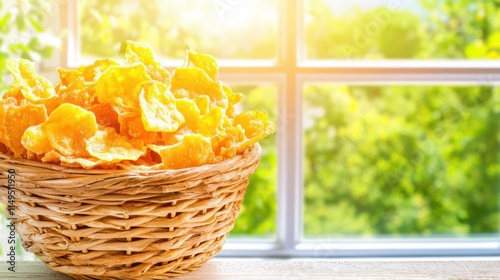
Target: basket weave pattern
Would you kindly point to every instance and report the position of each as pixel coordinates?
(102, 224)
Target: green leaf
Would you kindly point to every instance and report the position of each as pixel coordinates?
(20, 22)
(4, 23)
(494, 40)
(36, 24)
(46, 52)
(476, 50)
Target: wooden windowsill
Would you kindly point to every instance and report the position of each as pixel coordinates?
(294, 269)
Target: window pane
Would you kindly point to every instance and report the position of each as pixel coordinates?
(226, 29)
(258, 214)
(414, 29)
(402, 161)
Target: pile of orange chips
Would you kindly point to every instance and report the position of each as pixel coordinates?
(131, 115)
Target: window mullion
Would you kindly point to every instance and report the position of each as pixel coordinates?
(289, 198)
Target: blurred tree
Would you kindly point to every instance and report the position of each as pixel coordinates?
(442, 29)
(463, 29)
(393, 161)
(171, 26)
(403, 160)
(379, 160)
(23, 33)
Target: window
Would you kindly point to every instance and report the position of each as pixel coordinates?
(387, 113)
(414, 29)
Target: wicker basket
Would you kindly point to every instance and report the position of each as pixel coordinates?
(100, 224)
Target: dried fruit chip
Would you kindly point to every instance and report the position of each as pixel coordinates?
(192, 150)
(234, 98)
(34, 140)
(191, 115)
(17, 120)
(14, 93)
(210, 123)
(158, 109)
(68, 76)
(105, 115)
(203, 103)
(50, 103)
(205, 62)
(132, 127)
(110, 146)
(141, 52)
(255, 123)
(121, 85)
(32, 86)
(196, 82)
(79, 92)
(5, 104)
(139, 164)
(149, 158)
(227, 147)
(4, 149)
(76, 162)
(93, 72)
(68, 127)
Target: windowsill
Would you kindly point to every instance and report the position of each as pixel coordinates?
(253, 268)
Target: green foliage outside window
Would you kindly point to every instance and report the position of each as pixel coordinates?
(23, 32)
(402, 161)
(430, 29)
(370, 182)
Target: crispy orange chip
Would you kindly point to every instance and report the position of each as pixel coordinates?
(76, 162)
(196, 82)
(105, 115)
(210, 123)
(132, 127)
(79, 93)
(233, 97)
(121, 85)
(158, 109)
(191, 115)
(68, 127)
(205, 62)
(192, 150)
(130, 115)
(34, 140)
(227, 148)
(17, 120)
(203, 103)
(32, 86)
(141, 52)
(5, 104)
(93, 72)
(109, 146)
(14, 93)
(255, 123)
(68, 76)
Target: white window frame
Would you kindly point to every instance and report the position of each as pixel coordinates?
(290, 72)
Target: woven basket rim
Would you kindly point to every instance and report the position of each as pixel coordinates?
(256, 149)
